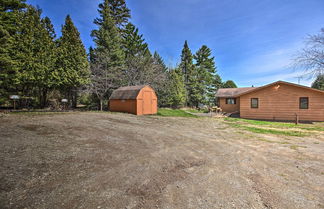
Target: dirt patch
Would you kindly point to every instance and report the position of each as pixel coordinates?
(93, 160)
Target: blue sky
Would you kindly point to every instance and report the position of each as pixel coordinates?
(253, 41)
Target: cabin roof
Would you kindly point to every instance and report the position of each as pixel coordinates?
(232, 92)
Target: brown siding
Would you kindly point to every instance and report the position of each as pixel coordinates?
(118, 105)
(229, 107)
(146, 101)
(281, 102)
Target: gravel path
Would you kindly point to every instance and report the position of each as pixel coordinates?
(103, 160)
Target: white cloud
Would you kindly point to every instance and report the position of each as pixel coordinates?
(293, 77)
(272, 61)
(271, 66)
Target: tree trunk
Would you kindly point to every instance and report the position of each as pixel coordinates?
(74, 98)
(100, 104)
(44, 97)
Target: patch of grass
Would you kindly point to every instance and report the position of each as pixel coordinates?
(174, 113)
(269, 141)
(314, 128)
(196, 111)
(268, 131)
(270, 124)
(272, 131)
(38, 113)
(260, 122)
(295, 147)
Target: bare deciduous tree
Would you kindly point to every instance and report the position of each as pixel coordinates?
(311, 58)
(104, 79)
(143, 70)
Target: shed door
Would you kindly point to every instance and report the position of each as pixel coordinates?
(147, 102)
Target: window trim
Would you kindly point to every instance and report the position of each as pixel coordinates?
(300, 103)
(257, 105)
(234, 99)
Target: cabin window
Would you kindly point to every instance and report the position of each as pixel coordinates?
(230, 100)
(303, 103)
(254, 102)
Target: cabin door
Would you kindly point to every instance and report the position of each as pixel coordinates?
(147, 102)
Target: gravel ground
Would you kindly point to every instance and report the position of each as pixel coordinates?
(103, 160)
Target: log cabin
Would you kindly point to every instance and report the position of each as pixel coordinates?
(276, 101)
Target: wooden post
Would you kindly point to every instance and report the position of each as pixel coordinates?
(297, 119)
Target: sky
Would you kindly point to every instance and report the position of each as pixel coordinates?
(253, 41)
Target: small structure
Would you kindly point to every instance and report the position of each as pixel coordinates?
(276, 101)
(138, 100)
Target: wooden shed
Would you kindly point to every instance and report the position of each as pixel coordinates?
(138, 100)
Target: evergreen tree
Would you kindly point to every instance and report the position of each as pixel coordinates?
(133, 42)
(10, 19)
(72, 61)
(138, 58)
(319, 82)
(162, 88)
(35, 54)
(108, 56)
(118, 12)
(190, 75)
(186, 64)
(207, 74)
(217, 82)
(176, 89)
(159, 61)
(229, 84)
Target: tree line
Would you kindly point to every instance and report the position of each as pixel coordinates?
(41, 67)
(34, 62)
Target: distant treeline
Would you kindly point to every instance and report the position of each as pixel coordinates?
(43, 69)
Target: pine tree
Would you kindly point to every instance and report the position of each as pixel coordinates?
(159, 61)
(206, 74)
(35, 54)
(176, 89)
(118, 12)
(319, 82)
(10, 17)
(162, 88)
(72, 61)
(138, 57)
(108, 56)
(186, 64)
(190, 74)
(133, 42)
(229, 84)
(194, 88)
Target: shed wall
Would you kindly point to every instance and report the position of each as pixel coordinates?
(119, 105)
(281, 102)
(146, 101)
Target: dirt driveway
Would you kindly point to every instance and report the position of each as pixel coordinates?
(103, 160)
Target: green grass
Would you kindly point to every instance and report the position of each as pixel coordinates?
(307, 127)
(268, 131)
(174, 113)
(272, 131)
(196, 111)
(295, 147)
(270, 141)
